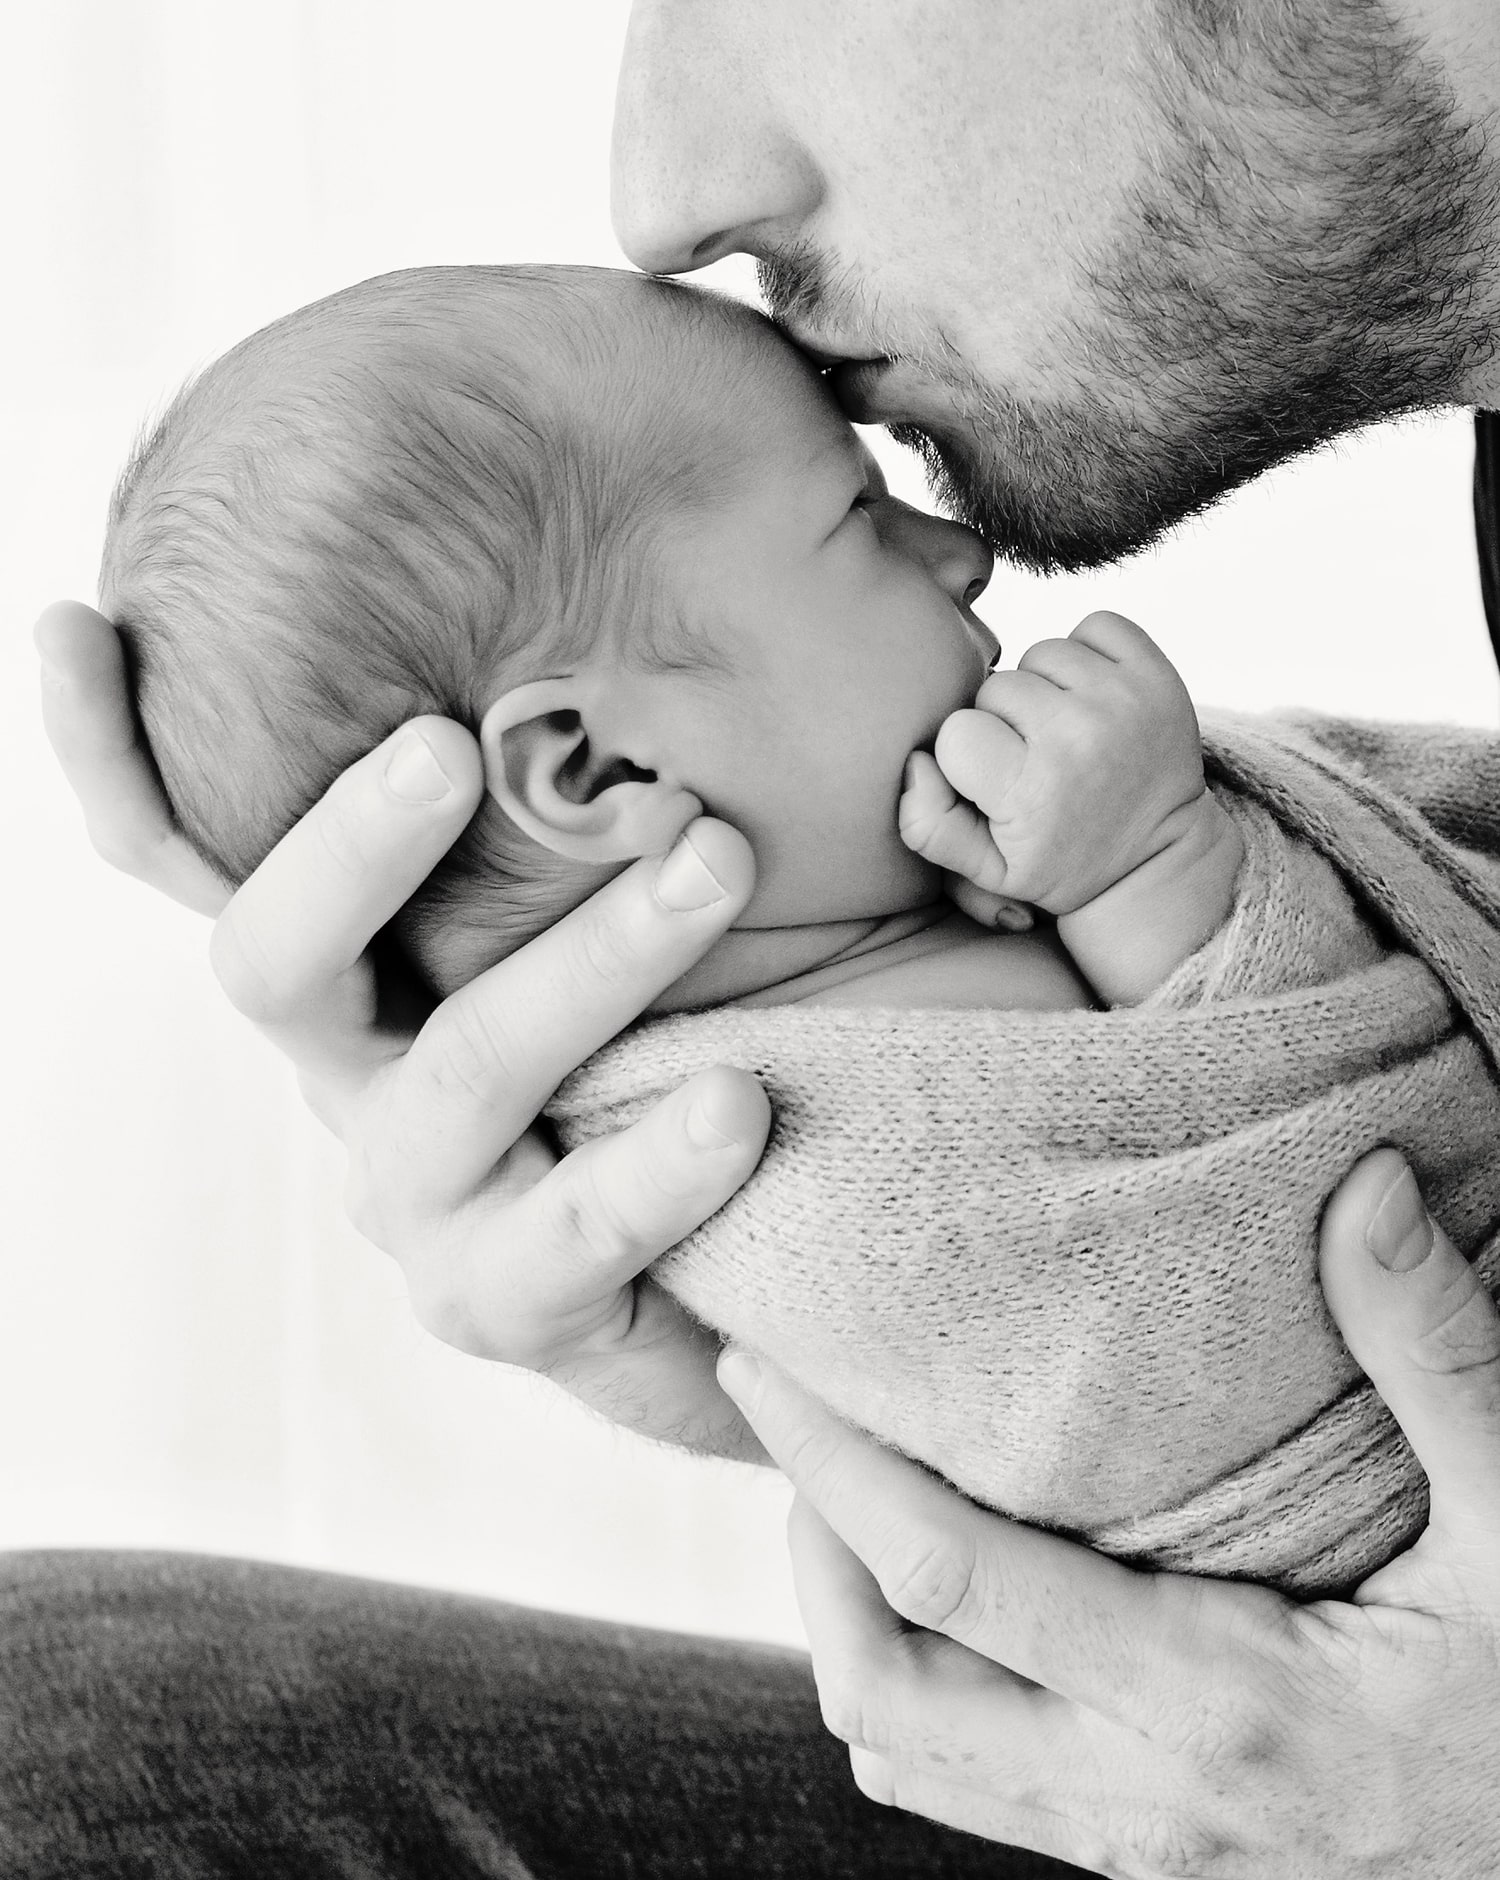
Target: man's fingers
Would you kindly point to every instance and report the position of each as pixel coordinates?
(491, 1055)
(289, 948)
(558, 1286)
(1057, 1613)
(897, 1692)
(551, 1281)
(941, 1731)
(608, 1210)
(91, 725)
(1013, 1824)
(1421, 1325)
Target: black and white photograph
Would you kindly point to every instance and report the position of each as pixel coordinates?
(752, 758)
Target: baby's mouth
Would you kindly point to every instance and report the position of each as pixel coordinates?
(990, 649)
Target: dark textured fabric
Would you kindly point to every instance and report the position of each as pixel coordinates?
(168, 1717)
(1487, 515)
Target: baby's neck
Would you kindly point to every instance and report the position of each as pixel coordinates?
(778, 965)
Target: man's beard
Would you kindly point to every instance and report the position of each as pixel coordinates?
(1308, 258)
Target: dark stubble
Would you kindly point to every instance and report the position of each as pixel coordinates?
(1309, 259)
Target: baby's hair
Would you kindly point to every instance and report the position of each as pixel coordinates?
(403, 499)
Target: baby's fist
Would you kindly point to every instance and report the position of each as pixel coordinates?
(953, 836)
(939, 826)
(1077, 767)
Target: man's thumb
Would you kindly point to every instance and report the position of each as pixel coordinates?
(1423, 1328)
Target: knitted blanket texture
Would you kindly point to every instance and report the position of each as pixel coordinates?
(1068, 1259)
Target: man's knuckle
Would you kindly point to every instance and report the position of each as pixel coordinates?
(123, 849)
(849, 1699)
(1465, 1337)
(589, 1217)
(875, 1779)
(444, 1312)
(1223, 1744)
(600, 954)
(365, 1200)
(436, 1311)
(1176, 1847)
(933, 1581)
(475, 1053)
(242, 968)
(340, 833)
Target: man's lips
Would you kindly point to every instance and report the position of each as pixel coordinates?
(872, 388)
(858, 385)
(824, 348)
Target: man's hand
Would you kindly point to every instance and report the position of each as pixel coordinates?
(508, 1252)
(92, 727)
(1008, 1682)
(1065, 774)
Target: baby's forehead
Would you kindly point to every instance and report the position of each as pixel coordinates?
(689, 347)
(717, 382)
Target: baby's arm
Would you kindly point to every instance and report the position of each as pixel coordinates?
(1076, 783)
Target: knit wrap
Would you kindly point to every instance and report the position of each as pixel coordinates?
(1068, 1259)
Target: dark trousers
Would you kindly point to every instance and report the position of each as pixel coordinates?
(166, 1716)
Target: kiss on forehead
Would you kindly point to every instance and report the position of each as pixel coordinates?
(1114, 259)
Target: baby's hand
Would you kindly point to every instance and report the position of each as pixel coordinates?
(1067, 773)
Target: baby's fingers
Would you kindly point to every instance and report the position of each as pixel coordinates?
(985, 909)
(982, 757)
(1118, 639)
(945, 831)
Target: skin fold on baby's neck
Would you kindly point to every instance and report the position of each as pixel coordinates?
(928, 957)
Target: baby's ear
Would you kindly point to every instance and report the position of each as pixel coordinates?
(568, 792)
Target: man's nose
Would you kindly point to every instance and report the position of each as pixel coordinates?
(702, 165)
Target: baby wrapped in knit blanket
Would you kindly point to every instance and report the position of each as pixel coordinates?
(1040, 1202)
(1069, 1259)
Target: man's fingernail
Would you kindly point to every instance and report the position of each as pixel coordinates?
(1400, 1232)
(685, 881)
(739, 1378)
(414, 773)
(704, 1133)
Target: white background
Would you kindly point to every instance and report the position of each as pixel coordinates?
(194, 1350)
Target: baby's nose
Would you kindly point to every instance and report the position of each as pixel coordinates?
(964, 564)
(954, 556)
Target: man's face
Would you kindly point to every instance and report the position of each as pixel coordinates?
(1113, 258)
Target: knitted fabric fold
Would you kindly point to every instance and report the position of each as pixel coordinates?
(1068, 1259)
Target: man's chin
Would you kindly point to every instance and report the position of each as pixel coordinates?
(1055, 486)
(1002, 491)
(1024, 520)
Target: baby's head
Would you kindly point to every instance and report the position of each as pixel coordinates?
(617, 526)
